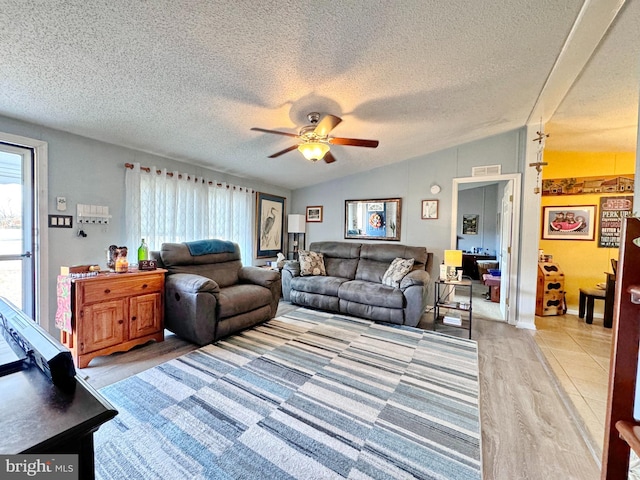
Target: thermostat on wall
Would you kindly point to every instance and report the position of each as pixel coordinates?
(435, 189)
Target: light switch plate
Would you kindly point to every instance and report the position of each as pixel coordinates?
(61, 204)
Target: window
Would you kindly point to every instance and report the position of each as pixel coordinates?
(172, 207)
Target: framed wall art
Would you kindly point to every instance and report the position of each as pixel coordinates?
(269, 225)
(572, 222)
(314, 214)
(470, 223)
(377, 219)
(429, 209)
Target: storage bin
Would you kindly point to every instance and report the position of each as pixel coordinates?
(485, 265)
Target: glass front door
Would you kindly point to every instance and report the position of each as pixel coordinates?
(17, 275)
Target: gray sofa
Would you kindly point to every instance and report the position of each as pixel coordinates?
(209, 296)
(353, 282)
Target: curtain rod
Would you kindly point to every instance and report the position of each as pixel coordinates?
(170, 174)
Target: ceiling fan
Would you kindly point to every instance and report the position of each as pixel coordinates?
(315, 140)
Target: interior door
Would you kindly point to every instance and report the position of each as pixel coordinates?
(17, 271)
(506, 227)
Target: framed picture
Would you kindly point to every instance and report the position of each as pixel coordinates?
(377, 219)
(429, 209)
(269, 225)
(470, 223)
(314, 214)
(569, 222)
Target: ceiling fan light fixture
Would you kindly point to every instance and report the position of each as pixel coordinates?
(313, 151)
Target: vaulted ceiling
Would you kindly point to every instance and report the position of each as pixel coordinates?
(188, 79)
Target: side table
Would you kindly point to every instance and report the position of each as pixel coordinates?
(450, 312)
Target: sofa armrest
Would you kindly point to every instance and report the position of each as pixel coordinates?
(265, 278)
(415, 288)
(191, 283)
(415, 277)
(258, 276)
(291, 269)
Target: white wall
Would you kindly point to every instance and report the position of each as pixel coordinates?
(92, 172)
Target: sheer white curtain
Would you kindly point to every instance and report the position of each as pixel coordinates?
(180, 208)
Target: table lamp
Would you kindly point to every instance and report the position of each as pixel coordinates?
(452, 260)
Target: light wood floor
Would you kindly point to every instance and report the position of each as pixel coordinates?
(529, 429)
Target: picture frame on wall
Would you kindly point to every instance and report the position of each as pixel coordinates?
(569, 222)
(314, 213)
(429, 209)
(470, 223)
(269, 225)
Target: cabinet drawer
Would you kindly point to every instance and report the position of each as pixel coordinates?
(100, 291)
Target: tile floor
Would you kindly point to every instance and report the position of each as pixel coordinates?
(579, 354)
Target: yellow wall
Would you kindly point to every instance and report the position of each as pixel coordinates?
(583, 263)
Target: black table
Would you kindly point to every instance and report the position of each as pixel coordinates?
(38, 417)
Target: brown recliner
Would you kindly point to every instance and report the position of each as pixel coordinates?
(209, 295)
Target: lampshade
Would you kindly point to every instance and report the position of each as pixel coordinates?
(296, 223)
(453, 258)
(313, 151)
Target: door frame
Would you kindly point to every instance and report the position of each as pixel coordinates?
(515, 230)
(40, 225)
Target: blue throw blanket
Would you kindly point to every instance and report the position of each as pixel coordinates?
(204, 247)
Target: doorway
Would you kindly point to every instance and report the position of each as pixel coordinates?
(506, 218)
(23, 224)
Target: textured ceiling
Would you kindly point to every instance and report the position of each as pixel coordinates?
(188, 79)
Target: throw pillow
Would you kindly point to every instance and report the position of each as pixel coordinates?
(396, 271)
(311, 263)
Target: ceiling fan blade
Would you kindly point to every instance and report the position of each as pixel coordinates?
(328, 123)
(282, 152)
(355, 142)
(329, 158)
(274, 131)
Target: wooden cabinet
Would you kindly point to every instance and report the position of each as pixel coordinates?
(550, 290)
(114, 312)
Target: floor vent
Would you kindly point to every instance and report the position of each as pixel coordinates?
(486, 170)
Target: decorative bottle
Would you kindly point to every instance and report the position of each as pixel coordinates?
(143, 251)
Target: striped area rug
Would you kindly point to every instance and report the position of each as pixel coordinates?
(304, 396)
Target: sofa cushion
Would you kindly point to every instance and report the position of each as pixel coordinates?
(311, 263)
(371, 270)
(386, 254)
(314, 300)
(369, 293)
(319, 284)
(220, 267)
(340, 258)
(396, 271)
(242, 298)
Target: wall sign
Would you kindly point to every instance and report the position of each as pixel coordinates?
(612, 211)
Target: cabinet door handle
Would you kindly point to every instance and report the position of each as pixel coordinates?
(120, 322)
(133, 319)
(106, 290)
(144, 285)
